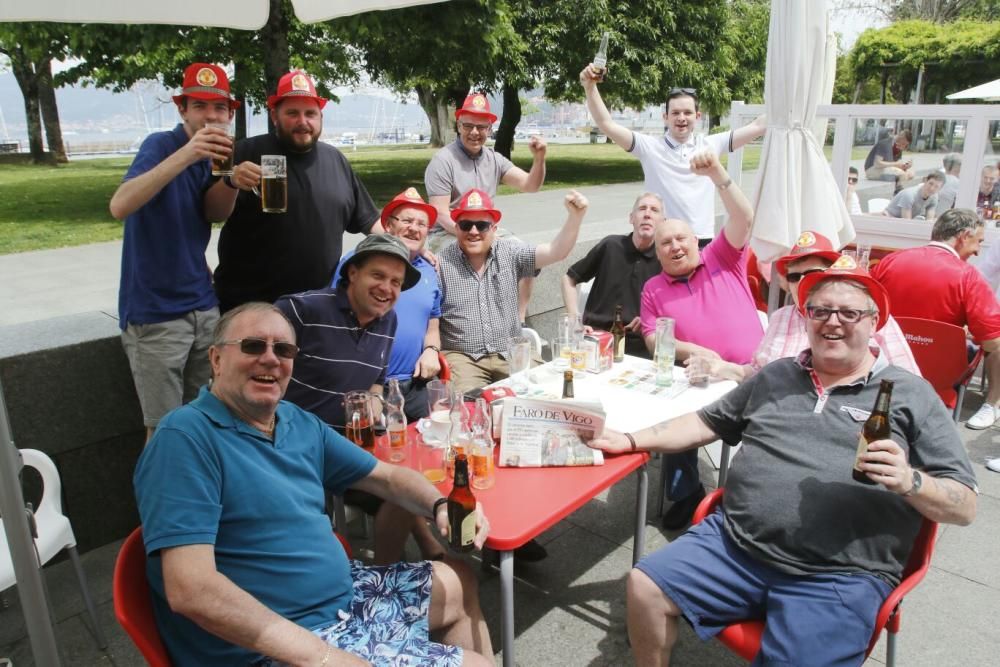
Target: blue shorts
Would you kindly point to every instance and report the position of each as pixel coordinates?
(820, 619)
(387, 621)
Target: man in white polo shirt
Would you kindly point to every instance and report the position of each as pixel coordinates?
(666, 160)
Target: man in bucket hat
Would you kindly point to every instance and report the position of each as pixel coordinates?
(168, 199)
(469, 163)
(263, 256)
(798, 541)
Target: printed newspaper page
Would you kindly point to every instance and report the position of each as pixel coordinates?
(550, 433)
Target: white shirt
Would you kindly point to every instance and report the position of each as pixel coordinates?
(666, 166)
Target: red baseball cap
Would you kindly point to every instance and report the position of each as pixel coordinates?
(295, 84)
(476, 104)
(205, 81)
(808, 244)
(475, 201)
(411, 199)
(846, 268)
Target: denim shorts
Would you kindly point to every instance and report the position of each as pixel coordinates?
(819, 619)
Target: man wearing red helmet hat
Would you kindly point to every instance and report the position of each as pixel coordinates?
(263, 256)
(798, 542)
(168, 199)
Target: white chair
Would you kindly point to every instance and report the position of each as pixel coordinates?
(536, 341)
(582, 292)
(877, 204)
(54, 533)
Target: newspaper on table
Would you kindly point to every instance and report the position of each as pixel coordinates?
(550, 433)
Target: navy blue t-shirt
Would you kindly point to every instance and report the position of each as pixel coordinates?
(164, 271)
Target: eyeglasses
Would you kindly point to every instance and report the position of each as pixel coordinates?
(469, 127)
(674, 92)
(482, 226)
(796, 276)
(845, 315)
(258, 346)
(410, 222)
(852, 179)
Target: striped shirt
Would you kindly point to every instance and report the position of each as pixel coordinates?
(336, 354)
(479, 312)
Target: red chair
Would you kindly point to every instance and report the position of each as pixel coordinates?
(743, 638)
(942, 355)
(756, 281)
(134, 603)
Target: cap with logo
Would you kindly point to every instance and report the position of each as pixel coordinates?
(384, 244)
(205, 81)
(846, 268)
(475, 104)
(809, 244)
(475, 201)
(295, 84)
(411, 199)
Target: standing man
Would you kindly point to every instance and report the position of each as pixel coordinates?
(707, 295)
(666, 161)
(167, 309)
(414, 357)
(936, 282)
(619, 265)
(263, 256)
(468, 164)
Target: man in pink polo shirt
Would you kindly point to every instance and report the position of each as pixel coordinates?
(707, 295)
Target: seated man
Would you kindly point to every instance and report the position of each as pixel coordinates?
(414, 357)
(798, 542)
(885, 160)
(787, 331)
(987, 195)
(936, 282)
(918, 202)
(242, 561)
(479, 277)
(619, 265)
(707, 295)
(851, 194)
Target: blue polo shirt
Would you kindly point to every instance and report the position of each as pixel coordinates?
(208, 477)
(336, 353)
(414, 309)
(164, 273)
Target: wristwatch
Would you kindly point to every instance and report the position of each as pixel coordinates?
(917, 481)
(432, 347)
(228, 180)
(724, 186)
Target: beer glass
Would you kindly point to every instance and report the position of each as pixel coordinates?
(562, 349)
(224, 166)
(864, 254)
(436, 425)
(663, 355)
(519, 350)
(273, 183)
(359, 417)
(698, 371)
(430, 460)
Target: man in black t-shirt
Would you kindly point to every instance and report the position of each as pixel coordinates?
(885, 160)
(263, 256)
(619, 265)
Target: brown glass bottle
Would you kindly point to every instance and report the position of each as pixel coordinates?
(567, 384)
(618, 332)
(461, 509)
(876, 428)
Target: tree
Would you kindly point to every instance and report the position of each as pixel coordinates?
(936, 11)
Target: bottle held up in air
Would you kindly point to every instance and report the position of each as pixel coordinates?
(601, 59)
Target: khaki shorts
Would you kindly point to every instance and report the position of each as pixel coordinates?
(169, 361)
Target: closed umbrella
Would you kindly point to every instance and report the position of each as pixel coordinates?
(796, 190)
(987, 91)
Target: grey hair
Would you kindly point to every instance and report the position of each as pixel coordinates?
(847, 282)
(222, 327)
(990, 169)
(655, 196)
(951, 160)
(953, 222)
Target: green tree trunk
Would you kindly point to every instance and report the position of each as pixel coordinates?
(27, 81)
(274, 42)
(50, 111)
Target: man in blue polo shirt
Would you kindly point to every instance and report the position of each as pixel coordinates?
(414, 357)
(166, 305)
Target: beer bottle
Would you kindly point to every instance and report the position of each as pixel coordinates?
(601, 59)
(876, 428)
(461, 509)
(618, 332)
(567, 384)
(395, 421)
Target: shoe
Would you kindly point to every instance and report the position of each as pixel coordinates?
(985, 416)
(530, 552)
(680, 513)
(993, 464)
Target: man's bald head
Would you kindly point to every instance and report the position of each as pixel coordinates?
(676, 247)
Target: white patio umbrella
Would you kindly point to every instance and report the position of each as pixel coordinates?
(242, 14)
(796, 190)
(986, 91)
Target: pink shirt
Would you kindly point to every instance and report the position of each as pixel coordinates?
(713, 307)
(786, 337)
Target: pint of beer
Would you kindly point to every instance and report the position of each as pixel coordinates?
(273, 184)
(223, 166)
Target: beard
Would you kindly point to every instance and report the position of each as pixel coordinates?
(292, 142)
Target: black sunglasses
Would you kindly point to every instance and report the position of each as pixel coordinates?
(674, 92)
(796, 276)
(481, 225)
(258, 346)
(852, 179)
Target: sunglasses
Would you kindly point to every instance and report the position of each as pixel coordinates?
(852, 180)
(845, 315)
(482, 226)
(258, 346)
(796, 276)
(682, 91)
